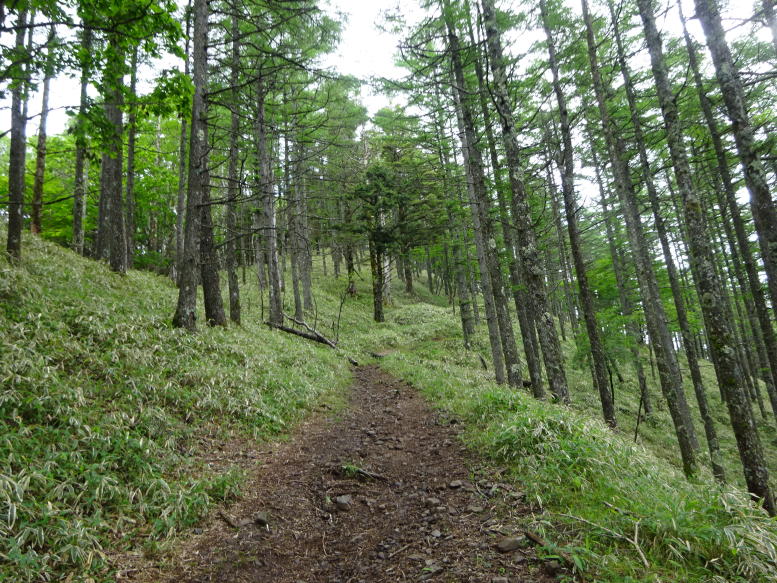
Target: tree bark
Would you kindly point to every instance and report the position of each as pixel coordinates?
(132, 131)
(761, 204)
(485, 244)
(756, 288)
(567, 170)
(527, 244)
(113, 235)
(233, 180)
(18, 151)
(180, 206)
(669, 262)
(714, 304)
(186, 310)
(40, 159)
(660, 338)
(268, 205)
(79, 189)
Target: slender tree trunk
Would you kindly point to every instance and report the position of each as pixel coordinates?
(132, 130)
(677, 294)
(378, 280)
(474, 167)
(761, 204)
(40, 159)
(520, 296)
(459, 267)
(756, 288)
(527, 244)
(186, 310)
(113, 236)
(567, 170)
(18, 150)
(660, 338)
(627, 308)
(233, 181)
(79, 190)
(181, 203)
(714, 304)
(268, 205)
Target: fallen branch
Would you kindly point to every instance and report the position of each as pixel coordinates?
(318, 336)
(314, 336)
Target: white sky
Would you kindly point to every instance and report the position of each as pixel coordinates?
(365, 50)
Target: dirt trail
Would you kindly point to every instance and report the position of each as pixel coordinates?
(385, 492)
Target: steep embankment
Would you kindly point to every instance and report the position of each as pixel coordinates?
(117, 431)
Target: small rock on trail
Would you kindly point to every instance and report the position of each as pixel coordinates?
(421, 521)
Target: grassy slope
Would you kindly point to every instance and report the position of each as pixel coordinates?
(102, 403)
(100, 399)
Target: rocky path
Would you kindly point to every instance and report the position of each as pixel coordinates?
(383, 492)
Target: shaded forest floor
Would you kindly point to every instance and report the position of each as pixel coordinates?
(381, 491)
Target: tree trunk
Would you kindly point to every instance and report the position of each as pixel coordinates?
(527, 244)
(660, 338)
(521, 298)
(113, 236)
(132, 131)
(567, 170)
(715, 309)
(378, 280)
(627, 307)
(742, 240)
(233, 181)
(18, 151)
(475, 187)
(677, 294)
(40, 159)
(181, 203)
(209, 266)
(761, 204)
(79, 189)
(268, 205)
(186, 310)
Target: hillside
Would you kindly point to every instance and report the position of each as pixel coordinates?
(109, 416)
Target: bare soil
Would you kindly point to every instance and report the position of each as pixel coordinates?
(382, 491)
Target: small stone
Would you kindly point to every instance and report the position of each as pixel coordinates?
(455, 484)
(553, 568)
(518, 557)
(475, 509)
(436, 533)
(433, 502)
(343, 503)
(197, 531)
(262, 518)
(508, 544)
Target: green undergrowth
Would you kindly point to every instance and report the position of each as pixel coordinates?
(104, 406)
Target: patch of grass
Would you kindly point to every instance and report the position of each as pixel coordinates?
(103, 406)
